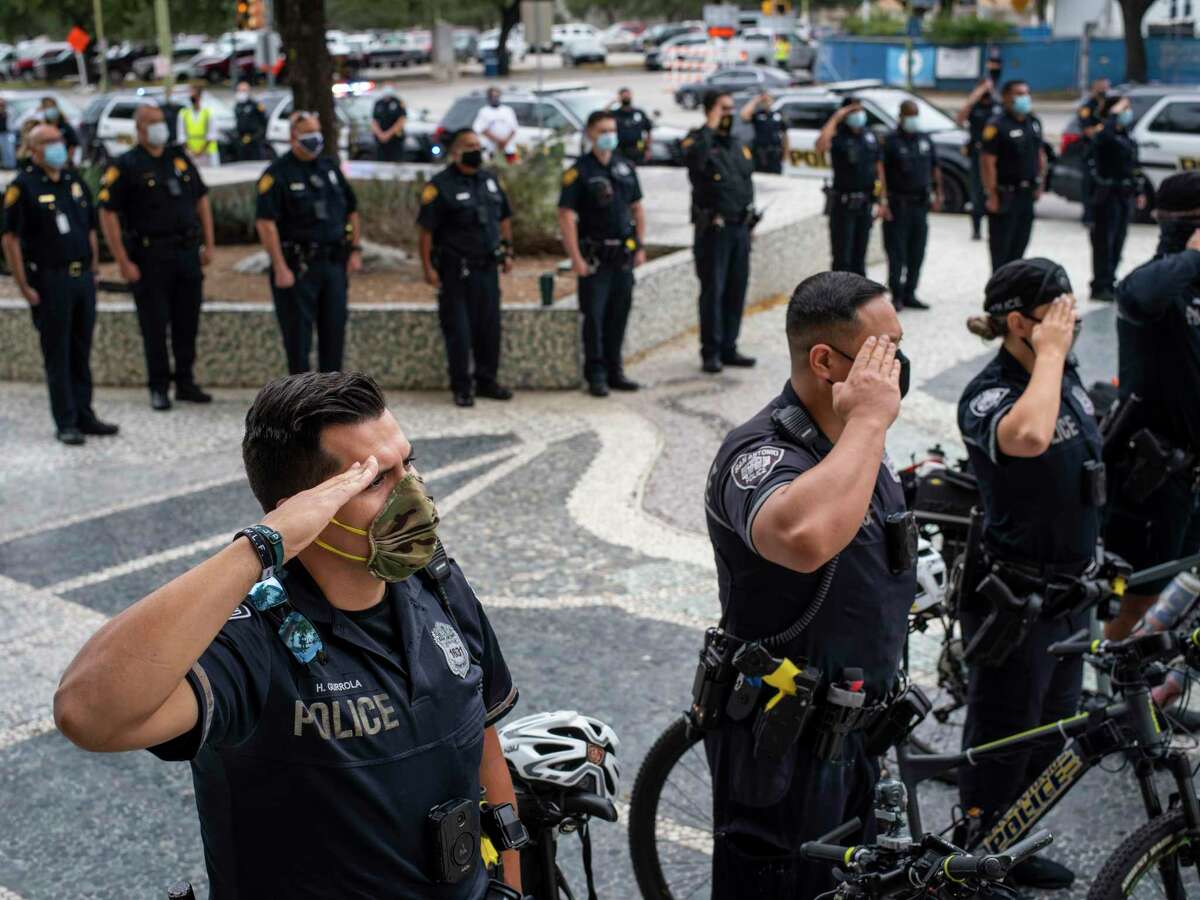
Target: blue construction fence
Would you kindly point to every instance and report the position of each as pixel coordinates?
(1046, 62)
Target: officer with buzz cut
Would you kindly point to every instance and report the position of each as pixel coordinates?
(1012, 165)
(912, 183)
(633, 129)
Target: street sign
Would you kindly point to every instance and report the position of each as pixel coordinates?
(78, 39)
(537, 20)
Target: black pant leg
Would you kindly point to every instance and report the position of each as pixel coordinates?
(709, 249)
(152, 300)
(295, 308)
(484, 315)
(1023, 225)
(332, 312)
(185, 300)
(456, 327)
(839, 237)
(861, 238)
(1101, 235)
(52, 317)
(1063, 687)
(917, 224)
(975, 186)
(896, 248)
(83, 324)
(733, 297)
(1124, 212)
(593, 304)
(1000, 226)
(616, 317)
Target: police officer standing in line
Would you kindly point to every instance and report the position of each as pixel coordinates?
(910, 174)
(466, 237)
(1090, 119)
(857, 168)
(1034, 445)
(802, 490)
(1012, 165)
(52, 115)
(158, 225)
(1156, 517)
(1115, 186)
(251, 118)
(388, 117)
(719, 169)
(602, 222)
(633, 129)
(981, 107)
(307, 220)
(770, 134)
(49, 239)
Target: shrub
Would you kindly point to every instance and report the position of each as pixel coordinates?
(532, 186)
(877, 24)
(948, 29)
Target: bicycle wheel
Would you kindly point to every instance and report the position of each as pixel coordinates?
(670, 817)
(1157, 860)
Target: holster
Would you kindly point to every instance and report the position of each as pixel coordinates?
(1151, 462)
(1006, 624)
(897, 720)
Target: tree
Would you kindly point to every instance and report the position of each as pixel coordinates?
(1132, 13)
(301, 25)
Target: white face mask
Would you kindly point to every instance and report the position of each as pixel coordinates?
(156, 134)
(243, 95)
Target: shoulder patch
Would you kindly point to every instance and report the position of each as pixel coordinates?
(569, 176)
(745, 151)
(1084, 112)
(265, 183)
(751, 468)
(242, 612)
(687, 142)
(111, 174)
(12, 195)
(989, 132)
(180, 164)
(429, 194)
(985, 401)
(103, 195)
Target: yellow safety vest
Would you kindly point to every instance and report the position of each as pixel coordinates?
(196, 128)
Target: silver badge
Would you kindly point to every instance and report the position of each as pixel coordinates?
(1085, 402)
(452, 648)
(988, 400)
(750, 468)
(622, 169)
(491, 185)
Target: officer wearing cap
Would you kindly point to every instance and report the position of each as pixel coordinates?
(982, 106)
(770, 134)
(602, 222)
(857, 166)
(1157, 518)
(912, 182)
(158, 225)
(1089, 119)
(719, 169)
(465, 241)
(1034, 446)
(49, 240)
(801, 493)
(330, 674)
(388, 117)
(633, 128)
(307, 219)
(1012, 164)
(251, 119)
(1115, 187)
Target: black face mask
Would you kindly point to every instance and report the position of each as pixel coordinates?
(905, 368)
(627, 102)
(472, 159)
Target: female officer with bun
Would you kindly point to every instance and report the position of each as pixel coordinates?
(1033, 443)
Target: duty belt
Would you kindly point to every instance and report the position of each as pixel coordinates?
(1017, 186)
(1125, 185)
(313, 250)
(74, 268)
(915, 197)
(150, 242)
(608, 250)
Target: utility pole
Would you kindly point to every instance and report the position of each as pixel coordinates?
(101, 44)
(162, 18)
(270, 55)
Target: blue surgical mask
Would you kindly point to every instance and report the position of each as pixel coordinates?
(313, 142)
(607, 141)
(1022, 104)
(52, 114)
(157, 134)
(909, 124)
(55, 155)
(857, 119)
(1125, 118)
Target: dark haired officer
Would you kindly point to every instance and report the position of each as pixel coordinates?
(158, 225)
(782, 509)
(466, 240)
(770, 133)
(982, 105)
(633, 128)
(1034, 445)
(602, 223)
(388, 118)
(330, 674)
(720, 167)
(49, 239)
(1115, 187)
(1158, 342)
(307, 219)
(250, 117)
(911, 182)
(1090, 119)
(857, 169)
(1012, 164)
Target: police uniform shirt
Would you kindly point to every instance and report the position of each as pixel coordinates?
(720, 169)
(864, 620)
(315, 780)
(854, 155)
(908, 162)
(601, 196)
(1114, 153)
(251, 119)
(985, 109)
(387, 111)
(768, 129)
(633, 128)
(154, 196)
(1088, 114)
(1036, 508)
(52, 219)
(463, 212)
(1017, 147)
(309, 200)
(67, 130)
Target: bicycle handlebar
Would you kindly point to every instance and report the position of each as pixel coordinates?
(995, 867)
(833, 853)
(1076, 644)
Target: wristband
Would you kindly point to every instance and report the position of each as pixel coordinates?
(267, 544)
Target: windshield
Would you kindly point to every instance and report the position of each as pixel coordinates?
(887, 103)
(583, 104)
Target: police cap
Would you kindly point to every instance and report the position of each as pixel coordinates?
(1024, 284)
(1179, 197)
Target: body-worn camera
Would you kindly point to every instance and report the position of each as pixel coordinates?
(503, 828)
(454, 836)
(900, 529)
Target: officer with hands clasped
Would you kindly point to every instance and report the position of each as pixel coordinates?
(49, 240)
(251, 118)
(158, 225)
(602, 223)
(911, 182)
(388, 118)
(307, 220)
(1115, 188)
(633, 128)
(330, 675)
(770, 133)
(806, 516)
(855, 155)
(1034, 445)
(1011, 165)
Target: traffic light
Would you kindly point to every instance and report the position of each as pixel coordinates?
(257, 19)
(243, 15)
(776, 7)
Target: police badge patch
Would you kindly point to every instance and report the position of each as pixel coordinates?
(452, 648)
(1085, 402)
(985, 401)
(750, 468)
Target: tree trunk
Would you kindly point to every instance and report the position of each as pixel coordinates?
(1041, 11)
(509, 17)
(1132, 13)
(301, 26)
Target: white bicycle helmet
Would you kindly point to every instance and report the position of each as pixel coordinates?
(931, 577)
(564, 749)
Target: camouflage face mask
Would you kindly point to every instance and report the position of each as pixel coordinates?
(402, 537)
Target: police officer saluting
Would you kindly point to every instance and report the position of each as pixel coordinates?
(855, 155)
(633, 129)
(1034, 445)
(388, 117)
(466, 236)
(720, 168)
(307, 220)
(600, 214)
(802, 495)
(1012, 164)
(982, 106)
(157, 222)
(251, 118)
(49, 239)
(910, 174)
(1090, 119)
(770, 134)
(1116, 180)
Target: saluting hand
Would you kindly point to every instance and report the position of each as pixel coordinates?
(871, 392)
(1056, 331)
(300, 518)
(1194, 241)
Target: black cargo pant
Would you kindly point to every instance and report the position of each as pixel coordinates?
(722, 256)
(850, 232)
(1010, 228)
(391, 151)
(604, 299)
(904, 240)
(469, 313)
(168, 296)
(977, 196)
(252, 149)
(65, 318)
(1111, 209)
(318, 299)
(769, 159)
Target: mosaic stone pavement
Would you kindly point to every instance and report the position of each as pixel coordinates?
(579, 522)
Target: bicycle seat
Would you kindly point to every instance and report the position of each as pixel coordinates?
(588, 804)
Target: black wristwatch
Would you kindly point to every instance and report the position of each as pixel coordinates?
(267, 544)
